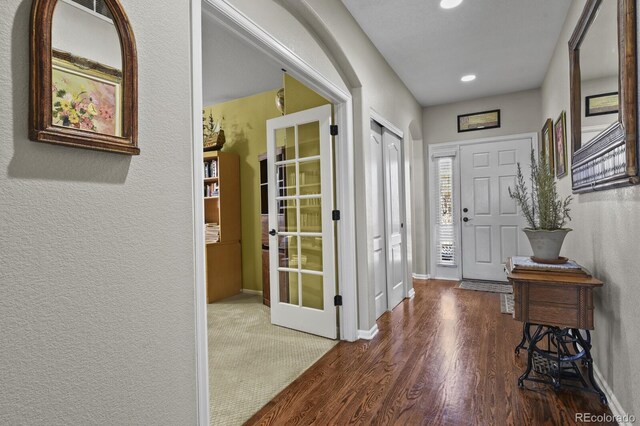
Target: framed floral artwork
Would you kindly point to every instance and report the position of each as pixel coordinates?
(546, 143)
(560, 133)
(86, 95)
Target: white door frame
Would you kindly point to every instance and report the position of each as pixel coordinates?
(407, 273)
(241, 25)
(450, 272)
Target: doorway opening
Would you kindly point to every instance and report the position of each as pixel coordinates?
(266, 223)
(475, 224)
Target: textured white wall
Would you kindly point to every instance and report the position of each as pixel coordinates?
(96, 249)
(519, 113)
(605, 240)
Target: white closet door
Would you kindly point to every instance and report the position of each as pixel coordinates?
(378, 220)
(394, 189)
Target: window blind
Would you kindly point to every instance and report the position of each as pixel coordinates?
(445, 232)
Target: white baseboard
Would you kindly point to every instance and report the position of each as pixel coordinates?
(249, 291)
(421, 276)
(368, 334)
(412, 293)
(614, 405)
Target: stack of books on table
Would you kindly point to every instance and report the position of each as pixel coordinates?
(211, 233)
(524, 264)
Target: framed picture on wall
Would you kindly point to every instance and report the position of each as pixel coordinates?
(560, 133)
(86, 94)
(604, 103)
(546, 143)
(479, 121)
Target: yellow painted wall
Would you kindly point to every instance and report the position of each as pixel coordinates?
(245, 129)
(298, 97)
(245, 132)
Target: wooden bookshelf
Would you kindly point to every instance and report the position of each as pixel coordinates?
(222, 207)
(282, 213)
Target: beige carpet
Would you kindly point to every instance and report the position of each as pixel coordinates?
(250, 360)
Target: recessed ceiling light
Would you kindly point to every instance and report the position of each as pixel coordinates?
(468, 78)
(449, 4)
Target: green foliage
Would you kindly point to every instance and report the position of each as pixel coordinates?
(542, 208)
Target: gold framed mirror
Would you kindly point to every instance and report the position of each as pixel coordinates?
(604, 99)
(83, 82)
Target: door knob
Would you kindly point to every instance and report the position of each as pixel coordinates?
(465, 210)
(465, 219)
(272, 232)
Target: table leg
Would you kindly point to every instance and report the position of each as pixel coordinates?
(588, 363)
(532, 343)
(525, 328)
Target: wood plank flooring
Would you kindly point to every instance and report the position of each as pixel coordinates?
(444, 358)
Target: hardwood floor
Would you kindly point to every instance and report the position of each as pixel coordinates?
(444, 358)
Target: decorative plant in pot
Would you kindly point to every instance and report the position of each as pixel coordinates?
(213, 135)
(546, 213)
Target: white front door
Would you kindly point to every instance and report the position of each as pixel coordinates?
(393, 159)
(301, 246)
(378, 220)
(491, 221)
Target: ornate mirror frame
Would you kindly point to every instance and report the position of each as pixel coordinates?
(41, 128)
(610, 159)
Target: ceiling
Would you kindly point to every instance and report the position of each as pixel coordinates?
(231, 67)
(508, 44)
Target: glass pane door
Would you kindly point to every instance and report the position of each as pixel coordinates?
(302, 277)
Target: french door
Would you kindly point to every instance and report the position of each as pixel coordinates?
(491, 220)
(301, 236)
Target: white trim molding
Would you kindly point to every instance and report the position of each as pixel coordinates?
(421, 276)
(412, 293)
(200, 291)
(368, 334)
(377, 117)
(614, 405)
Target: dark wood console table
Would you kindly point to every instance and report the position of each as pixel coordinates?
(559, 306)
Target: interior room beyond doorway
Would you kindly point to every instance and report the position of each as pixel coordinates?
(250, 360)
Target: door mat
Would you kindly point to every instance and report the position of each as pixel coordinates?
(490, 286)
(506, 303)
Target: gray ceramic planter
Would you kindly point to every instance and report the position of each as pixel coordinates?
(546, 244)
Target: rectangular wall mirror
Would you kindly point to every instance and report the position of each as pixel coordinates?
(603, 78)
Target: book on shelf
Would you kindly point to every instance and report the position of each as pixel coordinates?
(525, 264)
(211, 190)
(211, 169)
(211, 233)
